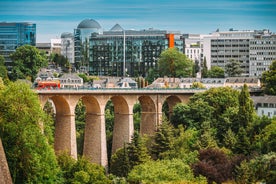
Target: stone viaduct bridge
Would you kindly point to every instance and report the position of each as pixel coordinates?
(65, 101)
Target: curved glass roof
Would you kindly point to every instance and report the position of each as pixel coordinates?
(89, 23)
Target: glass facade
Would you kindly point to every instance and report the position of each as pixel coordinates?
(81, 41)
(13, 35)
(129, 52)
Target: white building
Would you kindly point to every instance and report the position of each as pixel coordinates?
(265, 105)
(67, 46)
(221, 47)
(55, 45)
(255, 50)
(262, 52)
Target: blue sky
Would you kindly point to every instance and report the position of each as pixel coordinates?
(54, 17)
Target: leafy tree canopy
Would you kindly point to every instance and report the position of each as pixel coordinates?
(30, 157)
(215, 72)
(3, 69)
(175, 64)
(233, 68)
(269, 79)
(27, 61)
(164, 171)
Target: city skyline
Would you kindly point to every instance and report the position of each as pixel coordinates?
(52, 18)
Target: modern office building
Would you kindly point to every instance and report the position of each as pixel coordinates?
(81, 41)
(15, 34)
(262, 52)
(230, 45)
(120, 52)
(67, 46)
(255, 50)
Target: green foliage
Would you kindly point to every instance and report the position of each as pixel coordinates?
(27, 61)
(267, 138)
(246, 108)
(204, 71)
(132, 154)
(216, 72)
(137, 151)
(207, 137)
(197, 85)
(182, 146)
(153, 74)
(175, 64)
(233, 68)
(81, 171)
(60, 61)
(30, 157)
(164, 171)
(259, 169)
(162, 140)
(269, 79)
(120, 165)
(3, 69)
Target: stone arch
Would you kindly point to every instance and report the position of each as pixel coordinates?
(123, 121)
(148, 115)
(65, 131)
(94, 134)
(172, 101)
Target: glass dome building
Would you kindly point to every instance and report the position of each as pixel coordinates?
(81, 41)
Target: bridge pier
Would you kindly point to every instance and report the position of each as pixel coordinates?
(148, 123)
(123, 130)
(95, 139)
(65, 134)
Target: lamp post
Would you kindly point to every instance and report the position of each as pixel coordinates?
(124, 63)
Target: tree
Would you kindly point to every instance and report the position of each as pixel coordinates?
(81, 171)
(233, 68)
(215, 72)
(137, 151)
(214, 165)
(175, 64)
(162, 140)
(27, 61)
(61, 61)
(246, 108)
(164, 171)
(269, 79)
(204, 70)
(30, 157)
(259, 169)
(120, 165)
(197, 85)
(3, 69)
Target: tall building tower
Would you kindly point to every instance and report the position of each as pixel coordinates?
(81, 41)
(15, 34)
(67, 46)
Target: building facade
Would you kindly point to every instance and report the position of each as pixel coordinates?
(81, 41)
(265, 105)
(67, 46)
(262, 52)
(120, 52)
(255, 50)
(231, 45)
(14, 35)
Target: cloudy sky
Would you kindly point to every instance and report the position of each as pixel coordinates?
(54, 17)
